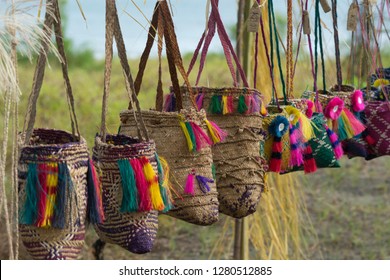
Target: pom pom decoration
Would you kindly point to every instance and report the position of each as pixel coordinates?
(310, 108)
(357, 101)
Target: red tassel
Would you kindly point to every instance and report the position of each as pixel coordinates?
(276, 156)
(309, 164)
(145, 203)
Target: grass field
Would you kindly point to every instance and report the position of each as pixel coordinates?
(349, 207)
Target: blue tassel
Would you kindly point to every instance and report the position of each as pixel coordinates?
(129, 187)
(30, 211)
(59, 213)
(204, 183)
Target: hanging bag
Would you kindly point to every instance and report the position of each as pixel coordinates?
(53, 170)
(128, 166)
(238, 164)
(181, 137)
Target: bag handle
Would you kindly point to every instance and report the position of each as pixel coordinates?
(113, 30)
(337, 45)
(52, 10)
(215, 24)
(162, 19)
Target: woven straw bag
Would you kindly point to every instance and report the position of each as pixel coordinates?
(238, 163)
(53, 170)
(191, 176)
(128, 166)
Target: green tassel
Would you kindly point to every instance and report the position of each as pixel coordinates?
(30, 211)
(129, 187)
(213, 171)
(242, 108)
(163, 190)
(215, 106)
(192, 136)
(341, 132)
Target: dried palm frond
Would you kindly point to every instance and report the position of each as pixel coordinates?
(19, 25)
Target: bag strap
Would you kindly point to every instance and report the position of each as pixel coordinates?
(113, 30)
(163, 16)
(52, 10)
(215, 24)
(336, 44)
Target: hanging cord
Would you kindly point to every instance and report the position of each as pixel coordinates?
(337, 45)
(272, 14)
(289, 62)
(298, 47)
(318, 35)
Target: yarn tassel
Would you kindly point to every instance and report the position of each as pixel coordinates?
(163, 181)
(167, 102)
(336, 145)
(276, 156)
(60, 206)
(145, 201)
(213, 171)
(215, 106)
(192, 136)
(306, 127)
(263, 109)
(248, 103)
(129, 187)
(356, 125)
(154, 187)
(296, 157)
(202, 139)
(368, 138)
(187, 136)
(203, 183)
(217, 134)
(42, 176)
(225, 109)
(309, 163)
(29, 211)
(230, 104)
(242, 107)
(256, 103)
(190, 184)
(310, 108)
(199, 101)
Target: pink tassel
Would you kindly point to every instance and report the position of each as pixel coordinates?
(256, 103)
(334, 140)
(296, 157)
(217, 134)
(201, 138)
(356, 125)
(199, 101)
(310, 107)
(248, 102)
(230, 105)
(145, 203)
(318, 106)
(167, 103)
(190, 186)
(357, 101)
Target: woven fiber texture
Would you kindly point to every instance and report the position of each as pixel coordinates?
(378, 125)
(55, 146)
(137, 231)
(164, 128)
(240, 169)
(299, 103)
(325, 96)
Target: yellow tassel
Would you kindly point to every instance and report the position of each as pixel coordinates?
(381, 82)
(347, 125)
(187, 135)
(306, 127)
(214, 136)
(167, 182)
(154, 187)
(52, 181)
(263, 110)
(293, 114)
(225, 109)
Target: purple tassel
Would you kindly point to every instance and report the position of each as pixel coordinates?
(204, 183)
(256, 103)
(199, 100)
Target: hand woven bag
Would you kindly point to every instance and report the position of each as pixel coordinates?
(180, 137)
(53, 170)
(128, 169)
(238, 163)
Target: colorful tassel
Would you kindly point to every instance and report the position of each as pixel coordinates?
(129, 187)
(29, 213)
(217, 134)
(213, 171)
(43, 170)
(356, 125)
(334, 140)
(256, 103)
(225, 109)
(242, 107)
(65, 186)
(145, 201)
(187, 136)
(357, 101)
(306, 127)
(190, 186)
(151, 177)
(309, 163)
(278, 127)
(296, 157)
(199, 101)
(215, 106)
(248, 103)
(368, 138)
(192, 136)
(163, 180)
(167, 102)
(310, 108)
(201, 138)
(203, 183)
(230, 104)
(263, 109)
(95, 203)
